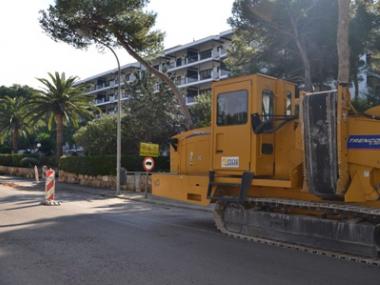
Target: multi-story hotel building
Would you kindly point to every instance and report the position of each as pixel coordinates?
(192, 66)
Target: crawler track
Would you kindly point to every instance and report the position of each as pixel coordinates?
(333, 207)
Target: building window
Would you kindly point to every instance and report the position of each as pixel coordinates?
(191, 95)
(205, 74)
(205, 54)
(232, 108)
(178, 61)
(192, 56)
(221, 50)
(192, 75)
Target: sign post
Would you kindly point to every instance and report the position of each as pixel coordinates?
(148, 165)
(148, 151)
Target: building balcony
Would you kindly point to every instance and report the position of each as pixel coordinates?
(189, 62)
(103, 87)
(202, 78)
(187, 82)
(101, 102)
(109, 100)
(100, 88)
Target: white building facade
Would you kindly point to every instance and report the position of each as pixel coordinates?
(192, 67)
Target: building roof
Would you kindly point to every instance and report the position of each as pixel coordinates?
(114, 70)
(198, 42)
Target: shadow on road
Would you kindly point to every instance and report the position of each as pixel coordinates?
(128, 242)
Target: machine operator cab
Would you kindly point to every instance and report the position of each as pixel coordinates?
(249, 119)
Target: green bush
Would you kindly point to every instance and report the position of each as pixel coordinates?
(25, 160)
(106, 164)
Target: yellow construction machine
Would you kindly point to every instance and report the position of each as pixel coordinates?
(294, 168)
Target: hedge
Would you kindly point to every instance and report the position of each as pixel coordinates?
(106, 164)
(26, 160)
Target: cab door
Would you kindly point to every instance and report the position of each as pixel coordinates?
(231, 146)
(264, 142)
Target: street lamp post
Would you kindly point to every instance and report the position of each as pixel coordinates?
(118, 136)
(84, 33)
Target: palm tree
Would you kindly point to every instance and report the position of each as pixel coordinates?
(14, 120)
(63, 102)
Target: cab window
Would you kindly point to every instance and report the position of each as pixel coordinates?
(267, 104)
(232, 108)
(288, 104)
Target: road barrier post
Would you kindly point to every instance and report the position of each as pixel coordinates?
(36, 175)
(49, 199)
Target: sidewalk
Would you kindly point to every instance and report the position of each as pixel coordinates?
(30, 184)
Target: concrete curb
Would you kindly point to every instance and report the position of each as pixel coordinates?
(151, 199)
(13, 182)
(158, 201)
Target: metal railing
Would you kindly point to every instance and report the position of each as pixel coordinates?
(188, 60)
(136, 181)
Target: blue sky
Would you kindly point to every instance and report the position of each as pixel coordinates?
(26, 52)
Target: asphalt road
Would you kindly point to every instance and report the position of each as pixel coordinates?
(97, 240)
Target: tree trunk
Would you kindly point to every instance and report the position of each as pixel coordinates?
(342, 41)
(300, 46)
(59, 130)
(14, 140)
(304, 57)
(162, 76)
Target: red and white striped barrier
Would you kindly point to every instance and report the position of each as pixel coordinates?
(50, 188)
(50, 185)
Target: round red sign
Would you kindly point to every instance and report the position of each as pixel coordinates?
(148, 164)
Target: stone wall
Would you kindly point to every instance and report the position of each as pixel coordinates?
(17, 171)
(133, 182)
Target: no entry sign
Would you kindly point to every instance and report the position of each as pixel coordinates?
(148, 164)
